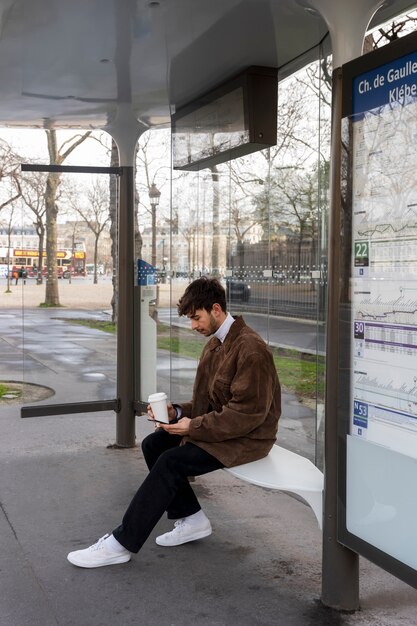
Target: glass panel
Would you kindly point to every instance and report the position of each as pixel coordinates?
(196, 198)
(156, 230)
(321, 260)
(259, 223)
(57, 322)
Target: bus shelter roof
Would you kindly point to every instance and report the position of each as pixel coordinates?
(75, 63)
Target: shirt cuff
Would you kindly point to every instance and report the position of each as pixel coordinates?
(178, 411)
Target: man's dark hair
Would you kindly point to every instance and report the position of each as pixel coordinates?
(202, 294)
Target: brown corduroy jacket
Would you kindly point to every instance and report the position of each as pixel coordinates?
(236, 398)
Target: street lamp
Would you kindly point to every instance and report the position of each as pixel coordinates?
(154, 195)
(164, 261)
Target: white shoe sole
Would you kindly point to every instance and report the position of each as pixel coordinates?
(197, 535)
(111, 561)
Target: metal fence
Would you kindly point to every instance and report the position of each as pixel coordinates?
(297, 292)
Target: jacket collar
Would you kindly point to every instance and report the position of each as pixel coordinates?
(235, 329)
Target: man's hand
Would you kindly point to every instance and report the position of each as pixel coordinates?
(172, 414)
(182, 427)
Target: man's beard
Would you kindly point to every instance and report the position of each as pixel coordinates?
(213, 326)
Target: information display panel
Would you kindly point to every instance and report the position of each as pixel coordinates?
(379, 413)
(235, 119)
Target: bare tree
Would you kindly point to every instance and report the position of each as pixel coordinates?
(9, 236)
(152, 158)
(299, 210)
(33, 195)
(241, 225)
(390, 32)
(10, 188)
(57, 156)
(113, 215)
(96, 214)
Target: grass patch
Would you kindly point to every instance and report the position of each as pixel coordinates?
(177, 345)
(104, 325)
(300, 374)
(5, 389)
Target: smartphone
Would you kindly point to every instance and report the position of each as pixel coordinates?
(150, 419)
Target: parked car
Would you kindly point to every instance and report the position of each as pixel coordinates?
(237, 290)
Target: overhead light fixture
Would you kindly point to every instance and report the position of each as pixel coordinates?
(304, 4)
(310, 10)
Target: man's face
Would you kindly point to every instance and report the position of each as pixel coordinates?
(204, 322)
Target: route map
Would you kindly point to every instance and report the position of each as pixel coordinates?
(384, 257)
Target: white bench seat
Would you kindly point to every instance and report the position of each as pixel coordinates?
(286, 471)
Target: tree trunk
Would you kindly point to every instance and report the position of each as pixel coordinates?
(189, 255)
(41, 237)
(240, 252)
(9, 243)
(95, 257)
(113, 188)
(138, 236)
(299, 246)
(51, 211)
(215, 250)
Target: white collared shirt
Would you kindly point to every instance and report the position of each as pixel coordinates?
(221, 332)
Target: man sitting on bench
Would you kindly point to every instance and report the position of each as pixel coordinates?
(231, 419)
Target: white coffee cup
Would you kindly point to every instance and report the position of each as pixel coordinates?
(158, 402)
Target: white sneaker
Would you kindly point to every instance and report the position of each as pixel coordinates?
(98, 555)
(184, 532)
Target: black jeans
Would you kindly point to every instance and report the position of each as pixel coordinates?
(166, 488)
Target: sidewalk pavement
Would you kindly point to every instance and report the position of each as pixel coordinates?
(62, 488)
(80, 293)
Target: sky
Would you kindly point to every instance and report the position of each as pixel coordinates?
(32, 144)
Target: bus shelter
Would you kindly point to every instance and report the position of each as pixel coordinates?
(127, 67)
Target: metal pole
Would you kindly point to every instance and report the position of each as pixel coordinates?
(72, 257)
(340, 566)
(125, 426)
(153, 256)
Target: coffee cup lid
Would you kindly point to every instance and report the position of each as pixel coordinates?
(157, 396)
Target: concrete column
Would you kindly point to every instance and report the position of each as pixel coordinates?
(126, 131)
(347, 23)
